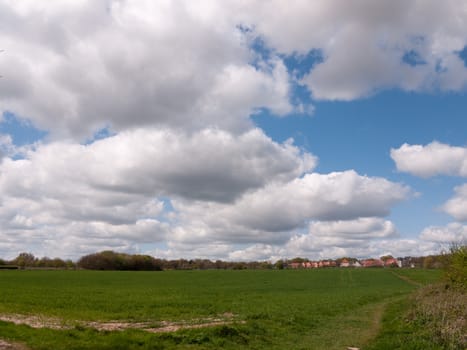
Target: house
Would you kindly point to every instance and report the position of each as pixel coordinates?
(295, 265)
(345, 263)
(357, 264)
(372, 263)
(391, 262)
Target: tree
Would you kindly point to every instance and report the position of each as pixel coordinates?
(456, 267)
(279, 265)
(24, 260)
(109, 260)
(428, 262)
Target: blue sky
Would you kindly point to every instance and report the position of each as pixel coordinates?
(359, 135)
(201, 130)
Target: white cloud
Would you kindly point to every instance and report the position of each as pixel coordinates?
(338, 238)
(310, 247)
(211, 164)
(457, 205)
(451, 233)
(257, 252)
(363, 44)
(113, 189)
(316, 248)
(431, 160)
(180, 250)
(361, 228)
(176, 84)
(437, 159)
(75, 68)
(270, 214)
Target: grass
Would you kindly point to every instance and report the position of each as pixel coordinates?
(419, 276)
(432, 318)
(317, 309)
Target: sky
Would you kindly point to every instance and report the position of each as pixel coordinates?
(234, 130)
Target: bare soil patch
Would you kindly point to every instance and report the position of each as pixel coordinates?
(153, 327)
(34, 321)
(4, 345)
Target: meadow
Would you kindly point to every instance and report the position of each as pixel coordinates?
(246, 309)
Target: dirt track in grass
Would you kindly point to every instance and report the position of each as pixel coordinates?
(4, 345)
(152, 327)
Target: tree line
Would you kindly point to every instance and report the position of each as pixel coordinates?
(110, 260)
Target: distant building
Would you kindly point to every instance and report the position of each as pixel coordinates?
(295, 265)
(345, 263)
(372, 263)
(391, 262)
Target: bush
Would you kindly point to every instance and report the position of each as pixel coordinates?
(456, 267)
(440, 313)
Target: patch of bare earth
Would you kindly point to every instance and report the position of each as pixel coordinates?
(153, 327)
(4, 345)
(34, 321)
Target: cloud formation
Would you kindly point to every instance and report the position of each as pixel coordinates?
(174, 86)
(366, 48)
(451, 233)
(433, 159)
(272, 213)
(73, 69)
(457, 205)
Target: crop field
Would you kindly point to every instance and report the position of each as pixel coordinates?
(277, 309)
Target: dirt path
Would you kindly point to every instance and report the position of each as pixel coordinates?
(4, 345)
(373, 326)
(152, 327)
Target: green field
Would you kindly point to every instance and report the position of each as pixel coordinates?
(288, 309)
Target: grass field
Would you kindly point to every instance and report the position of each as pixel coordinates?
(299, 309)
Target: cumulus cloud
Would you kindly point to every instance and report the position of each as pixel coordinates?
(271, 213)
(451, 233)
(457, 205)
(365, 46)
(336, 238)
(115, 185)
(433, 159)
(210, 164)
(257, 252)
(175, 85)
(310, 246)
(76, 68)
(437, 159)
(361, 228)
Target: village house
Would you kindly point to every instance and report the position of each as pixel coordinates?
(391, 262)
(372, 263)
(295, 265)
(345, 263)
(357, 264)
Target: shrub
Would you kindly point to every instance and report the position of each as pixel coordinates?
(456, 267)
(440, 313)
